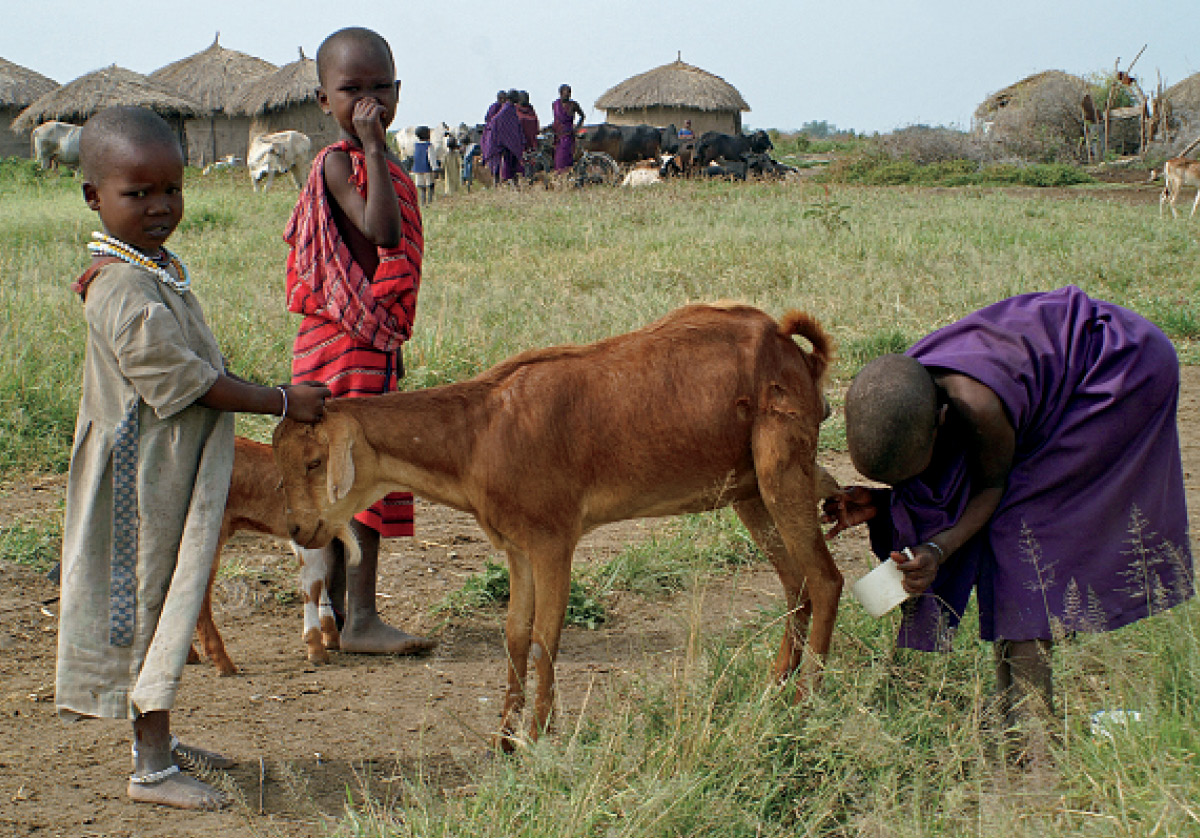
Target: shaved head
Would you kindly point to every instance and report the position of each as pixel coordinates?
(891, 416)
(121, 127)
(355, 38)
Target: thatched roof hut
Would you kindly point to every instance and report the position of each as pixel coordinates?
(1041, 116)
(215, 78)
(19, 87)
(673, 93)
(1183, 100)
(79, 99)
(287, 100)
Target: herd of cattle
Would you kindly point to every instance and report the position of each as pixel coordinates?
(649, 154)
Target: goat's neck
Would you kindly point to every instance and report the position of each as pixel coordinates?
(421, 439)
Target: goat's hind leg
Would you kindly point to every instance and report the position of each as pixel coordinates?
(206, 627)
(786, 524)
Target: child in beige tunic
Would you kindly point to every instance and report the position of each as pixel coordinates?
(151, 460)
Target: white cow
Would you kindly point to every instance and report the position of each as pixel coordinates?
(56, 142)
(272, 154)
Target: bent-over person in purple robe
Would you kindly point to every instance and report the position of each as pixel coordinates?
(565, 110)
(1033, 455)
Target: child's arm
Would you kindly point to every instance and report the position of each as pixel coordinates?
(991, 446)
(304, 402)
(378, 216)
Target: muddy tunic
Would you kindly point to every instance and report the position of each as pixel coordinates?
(150, 356)
(1092, 532)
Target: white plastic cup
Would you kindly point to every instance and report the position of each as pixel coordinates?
(882, 589)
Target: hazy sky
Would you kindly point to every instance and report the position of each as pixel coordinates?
(870, 65)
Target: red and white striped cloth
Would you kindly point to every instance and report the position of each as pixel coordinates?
(354, 325)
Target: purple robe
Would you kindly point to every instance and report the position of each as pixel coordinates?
(503, 143)
(1091, 533)
(564, 134)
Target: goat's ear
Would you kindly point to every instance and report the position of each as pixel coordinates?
(340, 467)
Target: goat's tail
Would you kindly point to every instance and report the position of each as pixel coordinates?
(806, 326)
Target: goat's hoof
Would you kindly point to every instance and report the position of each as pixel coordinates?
(318, 656)
(505, 742)
(226, 668)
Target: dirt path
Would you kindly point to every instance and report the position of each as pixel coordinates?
(303, 735)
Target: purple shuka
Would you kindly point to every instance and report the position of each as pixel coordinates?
(564, 134)
(503, 143)
(1091, 533)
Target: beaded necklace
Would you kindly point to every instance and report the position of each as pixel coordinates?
(105, 245)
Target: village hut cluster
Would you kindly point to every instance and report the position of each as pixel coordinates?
(219, 100)
(1054, 114)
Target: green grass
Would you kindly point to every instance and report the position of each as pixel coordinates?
(510, 271)
(890, 746)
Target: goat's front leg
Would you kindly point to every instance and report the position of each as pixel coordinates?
(552, 582)
(313, 570)
(518, 630)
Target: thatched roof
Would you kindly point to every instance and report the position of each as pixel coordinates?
(19, 86)
(215, 77)
(1054, 84)
(292, 84)
(674, 85)
(77, 100)
(1184, 97)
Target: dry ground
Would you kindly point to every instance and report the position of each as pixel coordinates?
(305, 735)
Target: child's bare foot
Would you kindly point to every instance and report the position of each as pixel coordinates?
(175, 789)
(374, 637)
(190, 756)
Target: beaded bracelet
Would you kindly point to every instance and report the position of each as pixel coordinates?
(283, 393)
(941, 553)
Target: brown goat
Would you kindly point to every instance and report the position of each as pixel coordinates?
(255, 504)
(712, 405)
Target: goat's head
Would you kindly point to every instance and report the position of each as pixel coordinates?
(324, 469)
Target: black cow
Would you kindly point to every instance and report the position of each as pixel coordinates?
(730, 170)
(762, 165)
(717, 146)
(623, 143)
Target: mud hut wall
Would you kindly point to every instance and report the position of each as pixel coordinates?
(727, 122)
(306, 118)
(13, 145)
(212, 138)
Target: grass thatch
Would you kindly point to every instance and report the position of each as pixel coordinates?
(292, 84)
(215, 78)
(20, 86)
(1040, 117)
(1183, 100)
(78, 100)
(1053, 84)
(674, 85)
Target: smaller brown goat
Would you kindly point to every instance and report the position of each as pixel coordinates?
(711, 406)
(255, 503)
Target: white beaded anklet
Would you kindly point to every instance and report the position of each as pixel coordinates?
(154, 777)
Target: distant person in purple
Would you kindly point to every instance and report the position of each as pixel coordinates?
(565, 110)
(503, 142)
(501, 98)
(1033, 455)
(529, 130)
